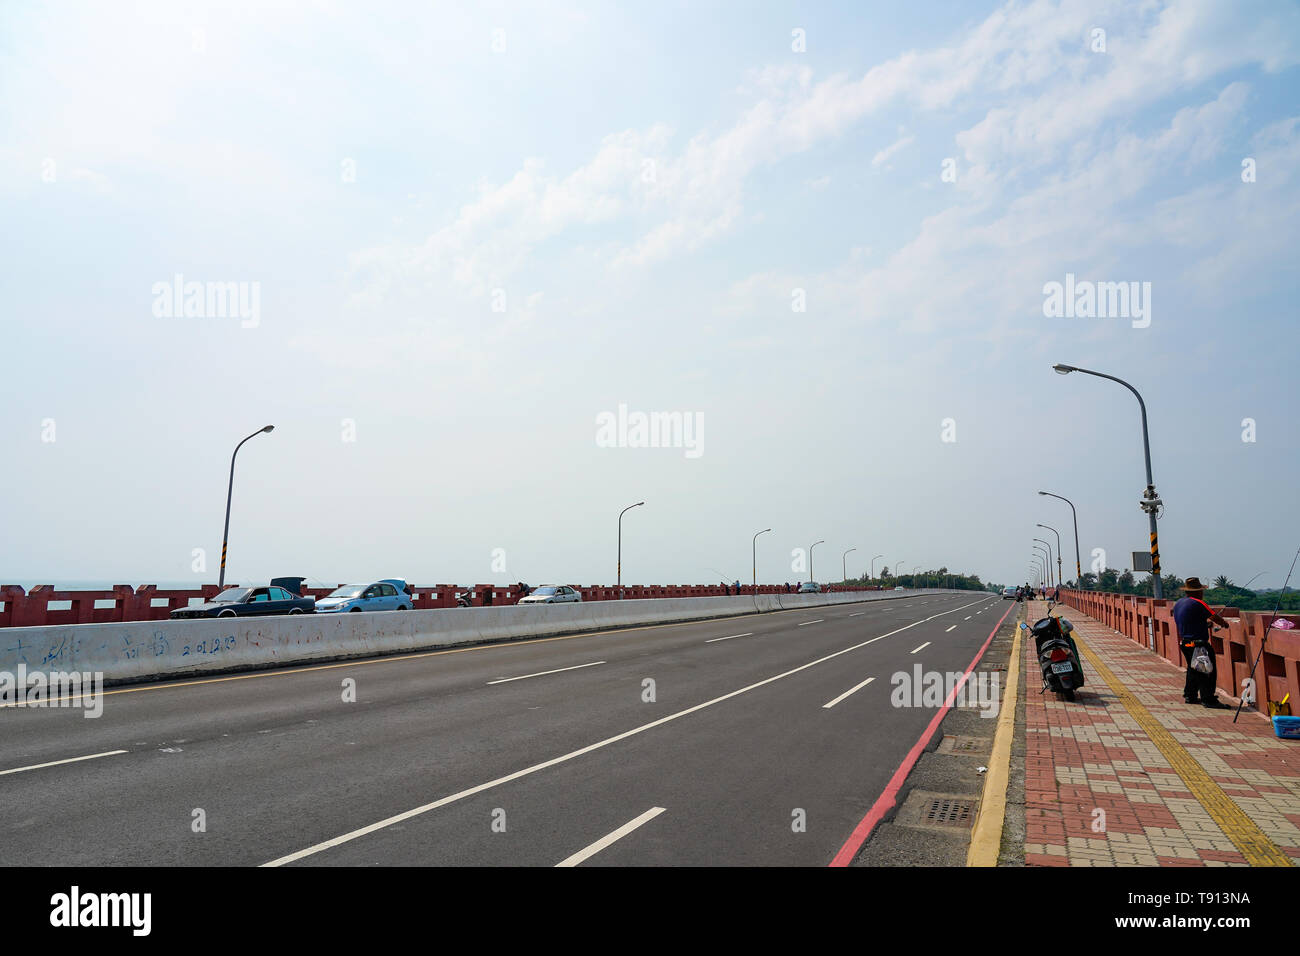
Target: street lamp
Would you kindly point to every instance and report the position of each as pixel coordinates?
(1058, 551)
(915, 568)
(1150, 500)
(1049, 559)
(620, 544)
(898, 570)
(873, 566)
(230, 488)
(844, 574)
(810, 551)
(754, 549)
(1078, 565)
(1047, 578)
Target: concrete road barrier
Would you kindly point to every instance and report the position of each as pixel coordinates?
(151, 650)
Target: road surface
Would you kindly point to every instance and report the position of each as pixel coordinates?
(706, 743)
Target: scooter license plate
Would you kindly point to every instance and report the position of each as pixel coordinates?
(1062, 668)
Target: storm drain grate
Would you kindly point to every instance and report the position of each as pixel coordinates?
(950, 812)
(964, 745)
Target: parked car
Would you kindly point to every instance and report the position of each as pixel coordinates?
(809, 587)
(1008, 594)
(390, 594)
(249, 602)
(900, 588)
(552, 594)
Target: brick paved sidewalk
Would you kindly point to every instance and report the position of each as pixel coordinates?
(1133, 776)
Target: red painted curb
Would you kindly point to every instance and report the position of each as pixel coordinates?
(887, 797)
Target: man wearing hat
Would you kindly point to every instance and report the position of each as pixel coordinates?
(1192, 617)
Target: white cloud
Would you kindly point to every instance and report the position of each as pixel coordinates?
(885, 154)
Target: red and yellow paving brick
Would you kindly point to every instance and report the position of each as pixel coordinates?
(1129, 775)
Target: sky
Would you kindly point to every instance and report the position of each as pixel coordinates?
(439, 246)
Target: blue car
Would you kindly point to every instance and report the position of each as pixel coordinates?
(390, 594)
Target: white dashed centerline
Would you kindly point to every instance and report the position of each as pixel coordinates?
(818, 621)
(558, 670)
(922, 647)
(953, 628)
(729, 637)
(55, 763)
(617, 835)
(851, 690)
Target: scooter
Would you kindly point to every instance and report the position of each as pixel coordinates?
(1058, 657)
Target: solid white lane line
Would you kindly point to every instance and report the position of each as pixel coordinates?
(55, 763)
(953, 628)
(729, 637)
(922, 647)
(582, 751)
(558, 670)
(851, 690)
(818, 621)
(605, 841)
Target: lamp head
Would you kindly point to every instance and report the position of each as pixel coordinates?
(1063, 369)
(269, 428)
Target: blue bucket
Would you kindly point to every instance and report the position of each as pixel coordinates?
(1287, 728)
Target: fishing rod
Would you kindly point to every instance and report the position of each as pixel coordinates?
(1241, 701)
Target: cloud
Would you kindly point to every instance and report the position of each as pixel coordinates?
(1051, 93)
(884, 155)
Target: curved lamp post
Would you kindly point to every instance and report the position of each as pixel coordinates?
(754, 550)
(873, 566)
(1078, 565)
(844, 574)
(620, 544)
(1150, 500)
(810, 551)
(230, 489)
(1043, 552)
(1059, 577)
(1049, 559)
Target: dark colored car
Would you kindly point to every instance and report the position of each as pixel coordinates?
(249, 602)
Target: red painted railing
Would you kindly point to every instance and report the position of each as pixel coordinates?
(19, 608)
(1150, 623)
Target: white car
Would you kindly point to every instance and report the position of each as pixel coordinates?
(552, 594)
(900, 588)
(809, 587)
(390, 594)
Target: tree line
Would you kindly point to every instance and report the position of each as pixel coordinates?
(1220, 591)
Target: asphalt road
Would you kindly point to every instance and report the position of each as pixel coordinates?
(693, 744)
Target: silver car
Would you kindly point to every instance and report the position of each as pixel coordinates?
(809, 587)
(390, 594)
(552, 594)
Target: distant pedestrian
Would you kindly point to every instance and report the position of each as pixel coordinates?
(1192, 617)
